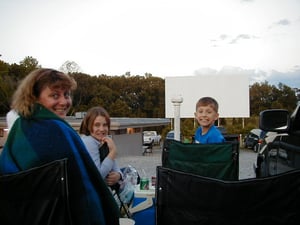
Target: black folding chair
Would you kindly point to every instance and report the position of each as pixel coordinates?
(184, 198)
(123, 206)
(37, 196)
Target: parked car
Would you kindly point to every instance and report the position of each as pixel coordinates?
(257, 138)
(171, 134)
(254, 139)
(151, 138)
(281, 152)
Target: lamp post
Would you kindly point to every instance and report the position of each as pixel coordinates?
(176, 103)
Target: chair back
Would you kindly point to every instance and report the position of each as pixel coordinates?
(38, 196)
(219, 161)
(188, 199)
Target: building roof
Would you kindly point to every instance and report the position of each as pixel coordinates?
(117, 123)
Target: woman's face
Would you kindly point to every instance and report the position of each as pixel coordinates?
(57, 100)
(99, 128)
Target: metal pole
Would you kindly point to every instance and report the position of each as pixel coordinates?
(176, 102)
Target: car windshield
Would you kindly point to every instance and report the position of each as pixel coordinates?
(170, 135)
(256, 132)
(148, 133)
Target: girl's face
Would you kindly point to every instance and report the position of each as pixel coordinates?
(57, 100)
(206, 116)
(99, 128)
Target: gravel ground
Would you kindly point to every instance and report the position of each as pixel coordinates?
(146, 165)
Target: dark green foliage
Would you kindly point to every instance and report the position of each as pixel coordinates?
(143, 96)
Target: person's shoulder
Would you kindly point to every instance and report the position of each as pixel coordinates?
(57, 122)
(89, 140)
(220, 135)
(213, 129)
(54, 126)
(198, 130)
(216, 135)
(86, 137)
(83, 136)
(12, 115)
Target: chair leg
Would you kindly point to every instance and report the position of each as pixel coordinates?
(147, 150)
(124, 207)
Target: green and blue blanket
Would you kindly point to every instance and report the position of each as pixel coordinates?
(45, 137)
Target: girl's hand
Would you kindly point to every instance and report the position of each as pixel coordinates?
(111, 146)
(112, 178)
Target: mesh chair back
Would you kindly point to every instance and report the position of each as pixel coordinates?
(188, 199)
(37, 196)
(219, 161)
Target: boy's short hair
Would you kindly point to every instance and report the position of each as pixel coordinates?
(205, 101)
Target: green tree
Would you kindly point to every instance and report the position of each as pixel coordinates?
(140, 96)
(285, 98)
(6, 91)
(4, 68)
(29, 64)
(7, 87)
(119, 109)
(261, 97)
(85, 92)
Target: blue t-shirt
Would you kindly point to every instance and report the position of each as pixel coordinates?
(213, 135)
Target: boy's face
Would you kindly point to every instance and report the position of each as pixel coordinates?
(206, 116)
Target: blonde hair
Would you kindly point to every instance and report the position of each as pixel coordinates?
(31, 86)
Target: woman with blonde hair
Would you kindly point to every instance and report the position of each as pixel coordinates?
(41, 135)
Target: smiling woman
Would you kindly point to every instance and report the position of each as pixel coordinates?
(41, 135)
(47, 87)
(95, 128)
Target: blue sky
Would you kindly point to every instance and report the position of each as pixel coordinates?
(259, 38)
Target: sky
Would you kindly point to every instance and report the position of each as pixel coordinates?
(257, 38)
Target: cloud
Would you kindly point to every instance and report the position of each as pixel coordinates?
(220, 38)
(205, 71)
(282, 22)
(223, 36)
(226, 38)
(290, 78)
(226, 70)
(242, 37)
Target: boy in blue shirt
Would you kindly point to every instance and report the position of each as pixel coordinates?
(206, 114)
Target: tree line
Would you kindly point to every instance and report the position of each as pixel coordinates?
(132, 95)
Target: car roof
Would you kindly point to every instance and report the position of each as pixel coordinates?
(256, 131)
